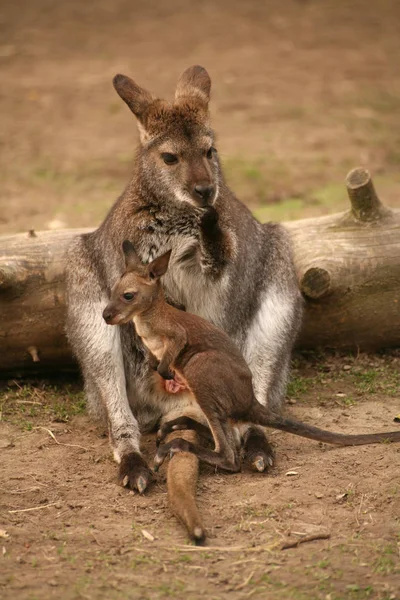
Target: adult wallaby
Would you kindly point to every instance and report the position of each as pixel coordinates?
(207, 361)
(225, 266)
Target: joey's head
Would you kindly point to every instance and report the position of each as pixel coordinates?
(177, 159)
(138, 287)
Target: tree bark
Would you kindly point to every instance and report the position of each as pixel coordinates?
(348, 267)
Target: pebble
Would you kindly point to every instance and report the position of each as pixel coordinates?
(6, 443)
(319, 495)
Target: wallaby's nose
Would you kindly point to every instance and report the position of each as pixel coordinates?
(203, 193)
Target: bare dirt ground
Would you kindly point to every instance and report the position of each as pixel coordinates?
(69, 531)
(302, 92)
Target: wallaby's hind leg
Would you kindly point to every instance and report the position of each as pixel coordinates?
(268, 353)
(180, 424)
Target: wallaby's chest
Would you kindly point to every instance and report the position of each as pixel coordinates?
(155, 343)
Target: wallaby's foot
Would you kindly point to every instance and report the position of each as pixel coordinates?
(180, 424)
(134, 472)
(258, 452)
(199, 537)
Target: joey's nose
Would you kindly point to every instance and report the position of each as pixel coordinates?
(203, 193)
(107, 314)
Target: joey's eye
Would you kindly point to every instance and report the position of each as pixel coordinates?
(128, 296)
(169, 159)
(210, 153)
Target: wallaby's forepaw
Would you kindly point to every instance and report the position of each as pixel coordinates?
(258, 452)
(179, 424)
(209, 219)
(171, 448)
(134, 472)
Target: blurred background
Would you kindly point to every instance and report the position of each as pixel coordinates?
(303, 91)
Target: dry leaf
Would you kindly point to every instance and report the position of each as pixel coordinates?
(147, 535)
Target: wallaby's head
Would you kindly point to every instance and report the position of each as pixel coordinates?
(177, 155)
(138, 287)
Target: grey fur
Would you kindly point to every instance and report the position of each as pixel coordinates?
(225, 266)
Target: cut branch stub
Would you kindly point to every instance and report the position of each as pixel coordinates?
(365, 204)
(315, 283)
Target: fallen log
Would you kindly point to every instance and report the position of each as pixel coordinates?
(348, 265)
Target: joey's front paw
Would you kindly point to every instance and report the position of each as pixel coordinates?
(153, 362)
(165, 373)
(134, 472)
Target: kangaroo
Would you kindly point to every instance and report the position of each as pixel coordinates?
(225, 266)
(207, 361)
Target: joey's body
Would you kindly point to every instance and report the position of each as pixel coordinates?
(208, 362)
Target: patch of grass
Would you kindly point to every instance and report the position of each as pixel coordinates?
(356, 592)
(298, 386)
(323, 564)
(385, 379)
(23, 405)
(347, 401)
(386, 561)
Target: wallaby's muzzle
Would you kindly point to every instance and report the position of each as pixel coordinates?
(203, 194)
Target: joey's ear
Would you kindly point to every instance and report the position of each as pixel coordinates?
(159, 266)
(131, 257)
(138, 99)
(195, 82)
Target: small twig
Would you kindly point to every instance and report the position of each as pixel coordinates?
(95, 539)
(33, 508)
(28, 402)
(246, 560)
(36, 481)
(323, 535)
(51, 434)
(245, 582)
(226, 548)
(358, 512)
(33, 489)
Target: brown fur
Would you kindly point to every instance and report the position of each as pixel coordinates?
(208, 361)
(182, 478)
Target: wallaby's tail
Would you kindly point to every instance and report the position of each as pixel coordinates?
(182, 475)
(261, 416)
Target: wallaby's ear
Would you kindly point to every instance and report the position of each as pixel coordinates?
(131, 257)
(138, 99)
(159, 266)
(195, 82)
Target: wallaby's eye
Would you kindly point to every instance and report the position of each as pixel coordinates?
(169, 159)
(210, 153)
(128, 296)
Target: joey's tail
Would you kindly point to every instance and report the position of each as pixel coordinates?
(261, 416)
(182, 475)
